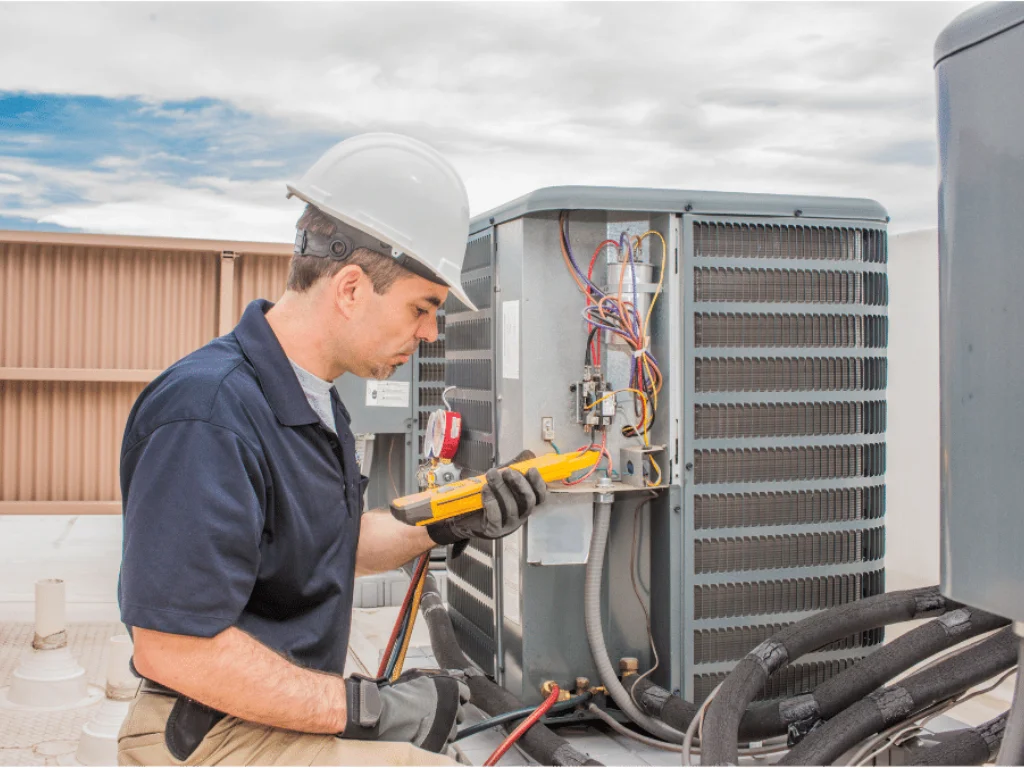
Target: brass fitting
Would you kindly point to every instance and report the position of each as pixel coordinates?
(548, 686)
(628, 666)
(582, 684)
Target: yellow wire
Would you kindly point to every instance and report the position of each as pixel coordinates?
(655, 465)
(646, 403)
(413, 610)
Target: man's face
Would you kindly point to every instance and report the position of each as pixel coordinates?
(389, 327)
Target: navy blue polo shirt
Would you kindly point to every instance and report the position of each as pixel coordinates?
(240, 508)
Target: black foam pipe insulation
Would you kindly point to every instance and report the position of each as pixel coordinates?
(720, 739)
(899, 702)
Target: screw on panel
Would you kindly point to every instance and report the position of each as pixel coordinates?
(689, 466)
(688, 207)
(798, 212)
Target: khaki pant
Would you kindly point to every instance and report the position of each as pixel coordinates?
(238, 742)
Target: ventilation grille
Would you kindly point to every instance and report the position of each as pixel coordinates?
(468, 374)
(432, 349)
(477, 645)
(789, 374)
(475, 455)
(477, 613)
(788, 681)
(756, 553)
(767, 241)
(466, 335)
(736, 510)
(789, 419)
(430, 397)
(476, 414)
(759, 465)
(790, 286)
(479, 290)
(431, 372)
(756, 598)
(718, 645)
(478, 253)
(789, 330)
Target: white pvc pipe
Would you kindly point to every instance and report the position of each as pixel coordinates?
(51, 620)
(121, 683)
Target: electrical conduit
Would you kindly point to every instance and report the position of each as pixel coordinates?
(595, 633)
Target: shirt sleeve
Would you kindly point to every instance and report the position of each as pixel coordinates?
(364, 481)
(194, 513)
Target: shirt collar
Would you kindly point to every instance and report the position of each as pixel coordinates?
(277, 379)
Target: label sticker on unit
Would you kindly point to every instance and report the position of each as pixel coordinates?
(510, 340)
(390, 394)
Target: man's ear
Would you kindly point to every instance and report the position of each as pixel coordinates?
(348, 288)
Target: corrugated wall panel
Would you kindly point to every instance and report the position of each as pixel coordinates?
(70, 306)
(258, 276)
(61, 441)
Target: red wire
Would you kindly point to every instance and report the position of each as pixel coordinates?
(524, 726)
(595, 350)
(417, 574)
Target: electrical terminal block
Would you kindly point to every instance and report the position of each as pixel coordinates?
(593, 401)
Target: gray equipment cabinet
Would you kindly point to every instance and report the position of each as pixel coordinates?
(979, 66)
(771, 335)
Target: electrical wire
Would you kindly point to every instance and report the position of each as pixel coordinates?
(618, 727)
(414, 610)
(402, 626)
(636, 591)
(524, 726)
(400, 621)
(696, 727)
(519, 714)
(603, 448)
(893, 735)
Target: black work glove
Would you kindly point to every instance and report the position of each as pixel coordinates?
(422, 707)
(509, 498)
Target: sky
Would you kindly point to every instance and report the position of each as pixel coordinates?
(187, 119)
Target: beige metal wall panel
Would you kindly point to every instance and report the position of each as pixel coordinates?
(86, 321)
(61, 440)
(70, 306)
(259, 276)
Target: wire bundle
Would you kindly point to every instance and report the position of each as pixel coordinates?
(398, 645)
(620, 316)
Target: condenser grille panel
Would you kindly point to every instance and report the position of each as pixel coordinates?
(785, 329)
(476, 414)
(788, 681)
(469, 366)
(790, 374)
(767, 241)
(745, 510)
(757, 598)
(717, 645)
(789, 286)
(789, 419)
(465, 335)
(766, 465)
(758, 553)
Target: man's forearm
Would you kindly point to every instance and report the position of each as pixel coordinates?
(235, 673)
(386, 543)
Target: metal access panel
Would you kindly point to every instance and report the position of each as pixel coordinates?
(981, 149)
(771, 334)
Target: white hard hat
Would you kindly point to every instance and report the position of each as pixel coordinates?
(401, 192)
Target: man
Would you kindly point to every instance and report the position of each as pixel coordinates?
(243, 530)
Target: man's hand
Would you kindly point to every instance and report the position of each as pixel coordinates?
(509, 498)
(420, 707)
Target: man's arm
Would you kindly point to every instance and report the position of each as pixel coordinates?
(386, 543)
(238, 675)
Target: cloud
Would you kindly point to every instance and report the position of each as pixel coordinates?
(824, 98)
